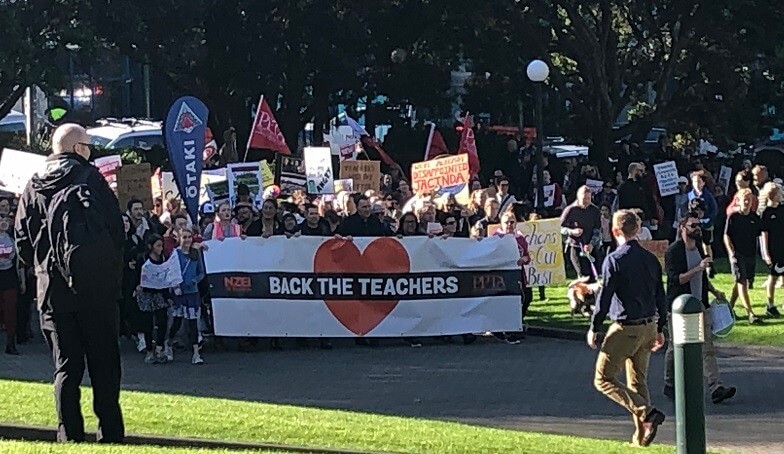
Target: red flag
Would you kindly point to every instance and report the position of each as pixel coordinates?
(435, 144)
(370, 142)
(468, 145)
(265, 132)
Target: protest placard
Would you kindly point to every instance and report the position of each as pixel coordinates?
(447, 175)
(247, 173)
(344, 185)
(292, 174)
(725, 176)
(17, 167)
(318, 170)
(366, 174)
(108, 166)
(549, 196)
(545, 247)
(133, 181)
(667, 178)
(657, 248)
(267, 174)
(594, 185)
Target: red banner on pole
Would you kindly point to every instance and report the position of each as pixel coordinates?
(265, 132)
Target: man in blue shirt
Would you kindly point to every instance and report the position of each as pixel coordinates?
(632, 296)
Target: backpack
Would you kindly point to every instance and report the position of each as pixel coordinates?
(79, 234)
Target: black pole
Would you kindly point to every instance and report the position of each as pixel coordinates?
(539, 148)
(71, 78)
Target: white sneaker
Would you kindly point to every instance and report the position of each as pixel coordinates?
(197, 359)
(168, 352)
(142, 345)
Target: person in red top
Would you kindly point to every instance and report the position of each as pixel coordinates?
(742, 181)
(508, 227)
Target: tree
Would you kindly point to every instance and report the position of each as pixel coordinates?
(658, 61)
(34, 37)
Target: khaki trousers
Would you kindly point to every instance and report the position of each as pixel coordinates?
(626, 347)
(710, 367)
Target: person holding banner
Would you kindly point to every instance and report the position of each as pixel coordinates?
(509, 227)
(186, 299)
(223, 227)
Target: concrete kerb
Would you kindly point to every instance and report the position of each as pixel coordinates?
(49, 434)
(728, 348)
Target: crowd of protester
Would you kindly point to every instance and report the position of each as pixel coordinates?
(158, 320)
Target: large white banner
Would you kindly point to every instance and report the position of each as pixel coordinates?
(376, 287)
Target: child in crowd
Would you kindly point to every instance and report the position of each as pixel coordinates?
(186, 296)
(153, 302)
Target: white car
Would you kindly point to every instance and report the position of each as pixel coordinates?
(126, 133)
(13, 122)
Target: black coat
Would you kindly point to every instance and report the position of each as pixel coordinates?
(675, 264)
(354, 225)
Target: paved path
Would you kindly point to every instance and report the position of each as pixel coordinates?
(541, 385)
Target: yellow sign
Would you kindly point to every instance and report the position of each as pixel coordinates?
(546, 249)
(267, 174)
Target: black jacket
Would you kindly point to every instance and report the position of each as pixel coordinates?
(675, 264)
(354, 225)
(32, 239)
(635, 194)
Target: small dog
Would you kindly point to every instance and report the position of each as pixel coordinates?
(582, 296)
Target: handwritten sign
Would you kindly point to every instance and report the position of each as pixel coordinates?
(17, 167)
(546, 249)
(595, 186)
(108, 166)
(549, 196)
(133, 181)
(657, 248)
(318, 170)
(344, 185)
(667, 178)
(448, 175)
(366, 174)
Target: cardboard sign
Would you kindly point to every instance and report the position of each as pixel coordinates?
(667, 178)
(448, 175)
(17, 167)
(133, 181)
(318, 170)
(657, 248)
(344, 185)
(366, 174)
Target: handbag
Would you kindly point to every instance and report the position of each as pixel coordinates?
(722, 318)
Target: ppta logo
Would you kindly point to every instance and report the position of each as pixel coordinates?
(489, 282)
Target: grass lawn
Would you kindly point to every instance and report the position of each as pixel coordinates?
(176, 415)
(554, 312)
(27, 447)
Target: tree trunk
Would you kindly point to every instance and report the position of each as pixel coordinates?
(600, 150)
(10, 100)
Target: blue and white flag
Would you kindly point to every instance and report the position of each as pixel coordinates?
(185, 127)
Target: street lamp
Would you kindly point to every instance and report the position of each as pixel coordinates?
(537, 72)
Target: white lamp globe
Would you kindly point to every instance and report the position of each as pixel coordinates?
(537, 71)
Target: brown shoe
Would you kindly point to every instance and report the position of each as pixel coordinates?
(651, 425)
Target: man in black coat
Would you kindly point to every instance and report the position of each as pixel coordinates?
(81, 329)
(686, 266)
(362, 223)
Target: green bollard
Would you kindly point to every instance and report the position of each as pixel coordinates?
(688, 336)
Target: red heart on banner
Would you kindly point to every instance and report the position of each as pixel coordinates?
(381, 256)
